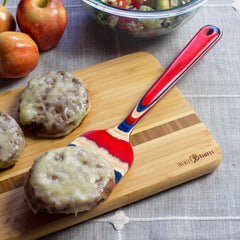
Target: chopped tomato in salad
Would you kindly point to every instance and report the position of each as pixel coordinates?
(136, 25)
(129, 4)
(121, 3)
(155, 4)
(132, 4)
(138, 3)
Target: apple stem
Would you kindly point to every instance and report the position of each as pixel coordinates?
(4, 3)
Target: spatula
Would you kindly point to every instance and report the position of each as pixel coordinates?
(113, 143)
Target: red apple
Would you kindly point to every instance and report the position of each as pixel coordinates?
(18, 54)
(44, 20)
(7, 22)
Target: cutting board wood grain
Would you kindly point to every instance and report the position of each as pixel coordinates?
(171, 145)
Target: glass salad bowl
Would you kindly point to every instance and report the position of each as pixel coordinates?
(142, 18)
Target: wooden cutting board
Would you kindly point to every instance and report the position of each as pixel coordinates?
(171, 145)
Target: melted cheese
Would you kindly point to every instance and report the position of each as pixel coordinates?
(57, 100)
(12, 143)
(118, 165)
(72, 177)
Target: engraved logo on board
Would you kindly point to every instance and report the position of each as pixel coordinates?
(194, 158)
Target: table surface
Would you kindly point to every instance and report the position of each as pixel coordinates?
(206, 208)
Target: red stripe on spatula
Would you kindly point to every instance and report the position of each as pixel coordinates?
(116, 147)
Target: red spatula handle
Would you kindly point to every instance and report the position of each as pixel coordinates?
(187, 58)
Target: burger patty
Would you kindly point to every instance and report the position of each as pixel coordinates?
(12, 141)
(54, 104)
(68, 180)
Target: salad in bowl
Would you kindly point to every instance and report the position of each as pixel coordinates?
(142, 18)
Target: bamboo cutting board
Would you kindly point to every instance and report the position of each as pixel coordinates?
(171, 145)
